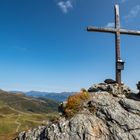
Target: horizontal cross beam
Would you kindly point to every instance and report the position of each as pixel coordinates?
(113, 30)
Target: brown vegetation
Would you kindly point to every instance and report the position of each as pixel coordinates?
(75, 103)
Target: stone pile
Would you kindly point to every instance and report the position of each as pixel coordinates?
(112, 88)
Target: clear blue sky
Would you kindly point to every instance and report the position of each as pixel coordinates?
(44, 44)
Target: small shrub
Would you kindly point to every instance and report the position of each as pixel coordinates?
(74, 103)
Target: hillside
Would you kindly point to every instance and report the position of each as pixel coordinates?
(19, 112)
(24, 103)
(104, 112)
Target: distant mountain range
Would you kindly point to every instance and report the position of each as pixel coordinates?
(59, 97)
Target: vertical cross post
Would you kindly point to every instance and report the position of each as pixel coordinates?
(117, 47)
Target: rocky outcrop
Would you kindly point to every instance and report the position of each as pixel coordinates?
(113, 88)
(104, 117)
(110, 81)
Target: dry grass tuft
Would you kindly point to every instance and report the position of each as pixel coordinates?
(75, 103)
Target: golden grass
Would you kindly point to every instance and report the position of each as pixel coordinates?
(74, 103)
(8, 123)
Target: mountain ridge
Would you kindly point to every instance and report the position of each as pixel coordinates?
(57, 96)
(24, 103)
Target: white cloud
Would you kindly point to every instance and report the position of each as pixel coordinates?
(65, 5)
(110, 24)
(123, 1)
(133, 12)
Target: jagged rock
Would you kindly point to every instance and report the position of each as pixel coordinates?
(22, 135)
(110, 81)
(33, 134)
(114, 89)
(104, 117)
(98, 87)
(61, 107)
(130, 105)
(138, 94)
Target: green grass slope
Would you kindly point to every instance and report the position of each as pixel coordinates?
(20, 113)
(23, 103)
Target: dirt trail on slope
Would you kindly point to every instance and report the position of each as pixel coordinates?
(18, 123)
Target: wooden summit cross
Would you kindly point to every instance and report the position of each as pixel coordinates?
(117, 31)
